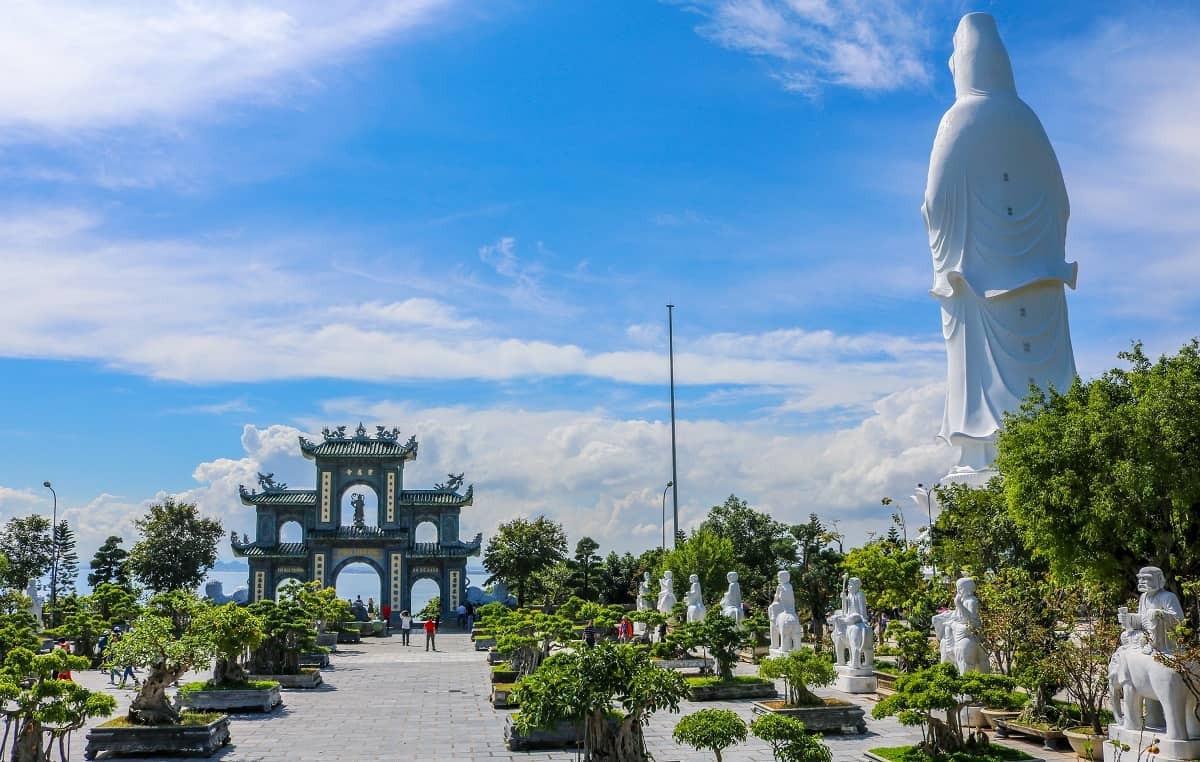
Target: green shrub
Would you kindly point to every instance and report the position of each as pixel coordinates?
(799, 670)
(715, 729)
(788, 739)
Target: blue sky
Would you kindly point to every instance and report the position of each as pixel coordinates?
(222, 225)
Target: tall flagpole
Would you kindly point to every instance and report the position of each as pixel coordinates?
(674, 467)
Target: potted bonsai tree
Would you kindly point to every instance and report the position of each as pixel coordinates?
(721, 637)
(801, 670)
(231, 629)
(715, 729)
(167, 642)
(289, 632)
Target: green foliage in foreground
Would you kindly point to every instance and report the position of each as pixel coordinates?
(715, 729)
(989, 753)
(789, 740)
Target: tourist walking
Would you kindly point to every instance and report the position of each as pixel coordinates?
(405, 626)
(625, 630)
(371, 607)
(461, 611)
(589, 633)
(470, 616)
(430, 631)
(386, 612)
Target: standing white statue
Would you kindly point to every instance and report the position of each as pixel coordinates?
(731, 602)
(666, 593)
(785, 624)
(996, 211)
(695, 600)
(643, 601)
(1148, 696)
(35, 601)
(962, 644)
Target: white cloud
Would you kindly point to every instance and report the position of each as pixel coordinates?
(225, 310)
(72, 65)
(812, 44)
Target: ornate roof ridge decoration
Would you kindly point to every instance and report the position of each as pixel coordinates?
(452, 483)
(267, 483)
(276, 496)
(385, 443)
(450, 548)
(440, 496)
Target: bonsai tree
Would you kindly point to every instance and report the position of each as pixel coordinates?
(35, 702)
(232, 629)
(166, 641)
(527, 637)
(323, 605)
(916, 650)
(715, 729)
(799, 669)
(789, 741)
(921, 695)
(584, 685)
(722, 637)
(288, 630)
(81, 624)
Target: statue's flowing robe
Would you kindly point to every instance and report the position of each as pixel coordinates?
(996, 210)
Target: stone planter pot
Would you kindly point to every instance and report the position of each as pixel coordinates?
(753, 655)
(202, 740)
(307, 679)
(504, 676)
(732, 692)
(327, 640)
(701, 665)
(1052, 738)
(990, 715)
(562, 735)
(502, 695)
(314, 659)
(483, 644)
(262, 699)
(1086, 744)
(835, 716)
(349, 636)
(495, 657)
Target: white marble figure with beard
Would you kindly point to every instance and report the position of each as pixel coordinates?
(996, 210)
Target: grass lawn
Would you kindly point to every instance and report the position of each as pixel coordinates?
(187, 718)
(993, 753)
(708, 682)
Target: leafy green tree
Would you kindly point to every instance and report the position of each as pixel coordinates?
(176, 548)
(789, 741)
(233, 629)
(816, 577)
(432, 609)
(65, 567)
(80, 624)
(26, 542)
(722, 637)
(715, 729)
(526, 637)
(521, 548)
(585, 685)
(115, 603)
(921, 695)
(975, 532)
(584, 568)
(165, 641)
(705, 554)
(763, 544)
(617, 578)
(1104, 477)
(553, 584)
(36, 701)
(18, 629)
(108, 565)
(891, 576)
(799, 669)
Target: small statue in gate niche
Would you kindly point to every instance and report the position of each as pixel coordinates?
(360, 518)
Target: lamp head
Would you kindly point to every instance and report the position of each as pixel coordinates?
(46, 484)
(671, 484)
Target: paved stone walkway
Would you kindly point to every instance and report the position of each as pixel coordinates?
(383, 701)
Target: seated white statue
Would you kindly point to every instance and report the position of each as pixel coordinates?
(643, 596)
(695, 600)
(731, 602)
(785, 624)
(666, 593)
(963, 629)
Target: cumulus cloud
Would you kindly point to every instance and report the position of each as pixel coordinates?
(72, 66)
(874, 45)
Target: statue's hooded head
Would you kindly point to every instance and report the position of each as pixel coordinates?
(980, 63)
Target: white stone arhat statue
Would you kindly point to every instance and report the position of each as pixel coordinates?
(996, 212)
(962, 644)
(1148, 697)
(695, 600)
(785, 624)
(666, 593)
(853, 640)
(731, 602)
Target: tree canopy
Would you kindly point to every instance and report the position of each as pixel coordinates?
(177, 546)
(705, 554)
(763, 545)
(25, 541)
(108, 565)
(975, 532)
(1105, 477)
(520, 549)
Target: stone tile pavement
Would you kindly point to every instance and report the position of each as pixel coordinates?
(383, 701)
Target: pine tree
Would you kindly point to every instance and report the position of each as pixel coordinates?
(67, 560)
(108, 565)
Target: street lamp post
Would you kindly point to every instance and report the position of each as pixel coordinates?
(54, 550)
(670, 484)
(926, 494)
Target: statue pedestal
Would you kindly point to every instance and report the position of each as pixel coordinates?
(777, 652)
(1140, 740)
(639, 628)
(855, 680)
(973, 479)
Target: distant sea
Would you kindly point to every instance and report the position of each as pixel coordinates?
(350, 584)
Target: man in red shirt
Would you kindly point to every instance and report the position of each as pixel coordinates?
(430, 631)
(386, 612)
